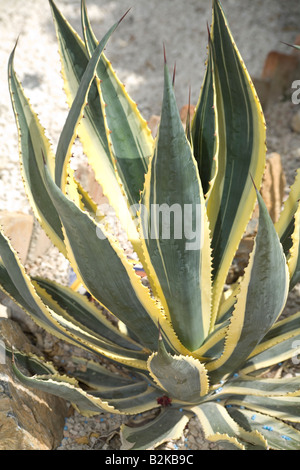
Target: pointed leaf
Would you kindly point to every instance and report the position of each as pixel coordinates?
(68, 134)
(241, 151)
(204, 123)
(32, 140)
(129, 134)
(92, 130)
(175, 228)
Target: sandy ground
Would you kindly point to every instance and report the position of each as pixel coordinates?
(136, 54)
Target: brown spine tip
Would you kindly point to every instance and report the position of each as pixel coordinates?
(208, 32)
(165, 57)
(174, 74)
(121, 19)
(253, 182)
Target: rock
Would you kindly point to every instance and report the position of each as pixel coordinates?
(184, 113)
(262, 87)
(29, 419)
(40, 243)
(153, 124)
(18, 227)
(280, 69)
(272, 191)
(3, 311)
(85, 175)
(296, 122)
(273, 185)
(16, 313)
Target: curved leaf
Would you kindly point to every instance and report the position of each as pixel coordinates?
(285, 224)
(293, 256)
(68, 389)
(82, 312)
(18, 285)
(271, 387)
(241, 151)
(32, 140)
(264, 288)
(218, 426)
(285, 408)
(169, 424)
(279, 435)
(182, 377)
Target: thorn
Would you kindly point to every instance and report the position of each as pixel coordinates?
(287, 44)
(208, 32)
(253, 182)
(174, 73)
(165, 58)
(123, 16)
(294, 46)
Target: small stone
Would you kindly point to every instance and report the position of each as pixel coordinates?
(153, 124)
(185, 111)
(3, 311)
(82, 440)
(18, 227)
(296, 122)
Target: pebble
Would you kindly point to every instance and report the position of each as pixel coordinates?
(296, 122)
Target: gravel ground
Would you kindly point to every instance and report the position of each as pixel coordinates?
(136, 53)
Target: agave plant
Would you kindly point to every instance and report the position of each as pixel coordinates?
(184, 200)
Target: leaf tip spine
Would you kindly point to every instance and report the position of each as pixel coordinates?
(121, 19)
(165, 56)
(174, 74)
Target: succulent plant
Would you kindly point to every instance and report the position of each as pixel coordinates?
(184, 200)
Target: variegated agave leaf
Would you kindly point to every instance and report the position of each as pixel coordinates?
(185, 346)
